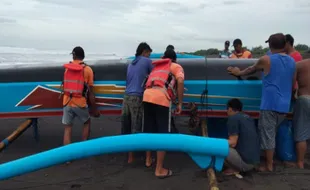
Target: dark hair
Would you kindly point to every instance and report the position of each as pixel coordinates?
(170, 47)
(235, 104)
(170, 54)
(237, 42)
(142, 47)
(277, 41)
(78, 53)
(289, 39)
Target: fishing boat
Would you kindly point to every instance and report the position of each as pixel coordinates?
(33, 90)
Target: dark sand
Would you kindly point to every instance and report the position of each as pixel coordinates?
(109, 172)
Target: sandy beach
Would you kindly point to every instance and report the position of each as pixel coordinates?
(111, 171)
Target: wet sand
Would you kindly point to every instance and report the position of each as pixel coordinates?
(111, 171)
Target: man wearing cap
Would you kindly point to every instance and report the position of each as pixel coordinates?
(77, 106)
(279, 76)
(240, 52)
(225, 53)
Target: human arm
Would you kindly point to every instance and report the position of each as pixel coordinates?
(178, 72)
(233, 131)
(91, 98)
(259, 65)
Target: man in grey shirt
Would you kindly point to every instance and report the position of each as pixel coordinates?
(244, 151)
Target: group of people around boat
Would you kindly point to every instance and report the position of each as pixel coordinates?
(152, 88)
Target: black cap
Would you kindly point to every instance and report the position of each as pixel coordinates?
(227, 42)
(237, 42)
(276, 41)
(78, 52)
(289, 38)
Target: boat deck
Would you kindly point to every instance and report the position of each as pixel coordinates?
(110, 171)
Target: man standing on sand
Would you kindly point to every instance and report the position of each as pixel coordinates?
(291, 51)
(225, 53)
(157, 99)
(240, 52)
(301, 118)
(132, 110)
(279, 76)
(74, 99)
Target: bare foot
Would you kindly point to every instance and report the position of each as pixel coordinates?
(300, 165)
(289, 164)
(163, 173)
(265, 169)
(149, 162)
(230, 171)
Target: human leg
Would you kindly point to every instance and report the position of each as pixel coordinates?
(148, 126)
(301, 123)
(163, 125)
(84, 117)
(235, 163)
(67, 121)
(126, 123)
(267, 125)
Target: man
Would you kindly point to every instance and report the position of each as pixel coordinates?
(137, 71)
(291, 51)
(244, 151)
(279, 77)
(75, 104)
(240, 52)
(301, 118)
(157, 99)
(225, 53)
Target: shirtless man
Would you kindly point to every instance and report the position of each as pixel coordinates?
(301, 119)
(279, 76)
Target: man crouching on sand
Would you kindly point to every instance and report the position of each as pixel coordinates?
(244, 151)
(77, 85)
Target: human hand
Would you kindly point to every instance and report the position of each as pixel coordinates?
(233, 71)
(178, 109)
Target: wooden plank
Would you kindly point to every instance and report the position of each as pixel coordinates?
(210, 172)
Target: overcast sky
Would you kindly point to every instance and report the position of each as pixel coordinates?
(119, 25)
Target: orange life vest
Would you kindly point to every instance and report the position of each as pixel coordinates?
(74, 83)
(161, 78)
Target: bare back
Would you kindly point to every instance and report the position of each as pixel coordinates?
(303, 77)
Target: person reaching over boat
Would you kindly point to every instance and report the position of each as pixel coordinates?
(225, 53)
(301, 117)
(279, 76)
(243, 139)
(132, 112)
(77, 86)
(240, 52)
(167, 48)
(164, 84)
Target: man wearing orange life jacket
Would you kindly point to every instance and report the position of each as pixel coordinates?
(78, 80)
(239, 52)
(160, 92)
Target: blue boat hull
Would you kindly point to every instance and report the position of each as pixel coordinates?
(33, 90)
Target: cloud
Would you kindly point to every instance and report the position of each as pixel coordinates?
(119, 25)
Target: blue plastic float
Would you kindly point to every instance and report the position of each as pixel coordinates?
(179, 56)
(206, 152)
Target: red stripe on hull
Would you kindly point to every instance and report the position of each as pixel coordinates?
(220, 114)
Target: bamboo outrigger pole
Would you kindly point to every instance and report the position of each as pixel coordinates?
(22, 128)
(210, 172)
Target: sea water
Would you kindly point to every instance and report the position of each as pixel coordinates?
(16, 55)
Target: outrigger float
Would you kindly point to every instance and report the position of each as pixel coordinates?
(33, 91)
